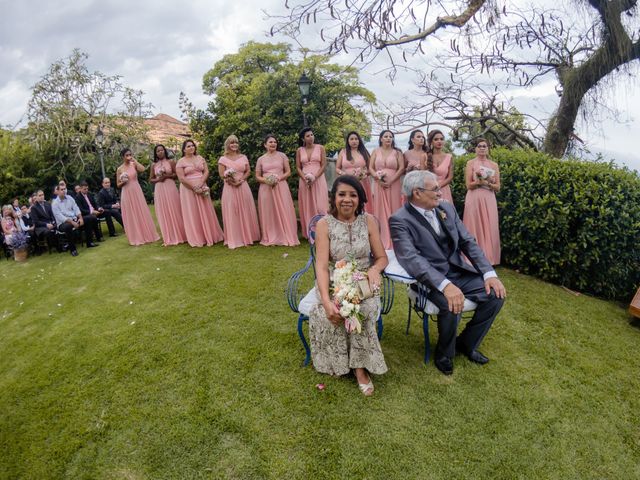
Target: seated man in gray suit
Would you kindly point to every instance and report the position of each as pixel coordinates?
(429, 240)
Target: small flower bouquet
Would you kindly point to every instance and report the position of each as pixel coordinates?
(204, 191)
(124, 177)
(380, 175)
(160, 171)
(18, 240)
(309, 178)
(360, 173)
(229, 174)
(272, 179)
(347, 293)
(484, 173)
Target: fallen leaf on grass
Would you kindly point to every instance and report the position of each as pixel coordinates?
(285, 255)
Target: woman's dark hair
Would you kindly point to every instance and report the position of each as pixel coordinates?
(124, 151)
(186, 142)
(352, 182)
(430, 138)
(268, 136)
(361, 148)
(393, 141)
(302, 133)
(155, 156)
(411, 146)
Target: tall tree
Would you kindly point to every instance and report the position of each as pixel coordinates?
(255, 92)
(584, 44)
(68, 105)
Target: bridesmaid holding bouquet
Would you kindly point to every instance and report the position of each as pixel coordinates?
(275, 205)
(200, 222)
(313, 193)
(353, 159)
(415, 157)
(166, 197)
(238, 209)
(482, 177)
(138, 224)
(386, 168)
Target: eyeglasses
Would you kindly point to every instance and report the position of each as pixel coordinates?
(434, 189)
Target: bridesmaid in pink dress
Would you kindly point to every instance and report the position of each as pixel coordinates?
(313, 193)
(166, 197)
(386, 167)
(416, 156)
(138, 224)
(200, 222)
(353, 159)
(440, 163)
(482, 177)
(275, 205)
(238, 208)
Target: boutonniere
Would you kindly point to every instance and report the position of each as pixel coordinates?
(443, 215)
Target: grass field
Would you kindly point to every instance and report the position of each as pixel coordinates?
(181, 363)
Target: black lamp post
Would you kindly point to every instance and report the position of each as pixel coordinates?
(304, 85)
(99, 140)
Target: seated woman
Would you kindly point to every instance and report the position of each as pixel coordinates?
(347, 233)
(10, 223)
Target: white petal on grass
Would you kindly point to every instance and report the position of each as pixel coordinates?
(132, 323)
(130, 302)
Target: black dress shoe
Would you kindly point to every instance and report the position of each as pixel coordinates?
(476, 357)
(74, 253)
(445, 365)
(91, 244)
(113, 234)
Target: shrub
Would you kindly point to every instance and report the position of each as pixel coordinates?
(572, 222)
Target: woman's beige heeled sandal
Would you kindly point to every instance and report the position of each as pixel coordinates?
(366, 388)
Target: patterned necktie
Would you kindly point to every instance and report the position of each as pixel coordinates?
(433, 221)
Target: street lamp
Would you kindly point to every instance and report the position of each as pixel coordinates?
(99, 140)
(304, 85)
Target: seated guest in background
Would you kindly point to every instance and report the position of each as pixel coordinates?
(10, 223)
(69, 218)
(108, 201)
(429, 242)
(15, 204)
(76, 191)
(26, 223)
(32, 199)
(88, 207)
(43, 219)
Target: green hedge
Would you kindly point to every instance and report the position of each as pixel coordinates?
(571, 222)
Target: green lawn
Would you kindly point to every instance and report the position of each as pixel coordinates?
(181, 363)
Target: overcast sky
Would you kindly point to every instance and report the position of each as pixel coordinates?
(163, 48)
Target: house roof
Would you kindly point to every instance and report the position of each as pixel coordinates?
(163, 127)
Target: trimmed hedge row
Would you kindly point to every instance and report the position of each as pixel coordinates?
(571, 222)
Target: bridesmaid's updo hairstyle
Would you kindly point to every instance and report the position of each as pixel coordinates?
(352, 182)
(155, 155)
(267, 137)
(187, 142)
(301, 135)
(430, 137)
(412, 146)
(227, 142)
(124, 151)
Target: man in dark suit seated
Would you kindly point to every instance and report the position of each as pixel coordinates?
(108, 201)
(43, 219)
(429, 240)
(89, 209)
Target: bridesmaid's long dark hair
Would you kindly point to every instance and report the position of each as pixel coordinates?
(411, 146)
(361, 148)
(155, 155)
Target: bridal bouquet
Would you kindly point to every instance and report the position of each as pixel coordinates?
(309, 178)
(380, 174)
(229, 173)
(160, 171)
(484, 173)
(360, 173)
(347, 294)
(272, 179)
(124, 177)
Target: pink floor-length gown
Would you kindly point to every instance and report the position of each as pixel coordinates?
(200, 222)
(481, 217)
(386, 200)
(314, 199)
(275, 205)
(238, 208)
(138, 223)
(350, 168)
(168, 211)
(441, 172)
